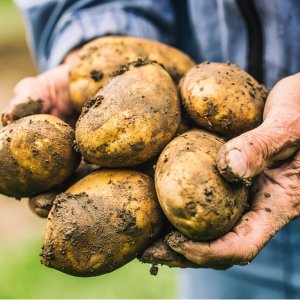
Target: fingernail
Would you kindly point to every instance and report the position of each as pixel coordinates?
(237, 163)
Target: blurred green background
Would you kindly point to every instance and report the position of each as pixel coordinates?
(21, 274)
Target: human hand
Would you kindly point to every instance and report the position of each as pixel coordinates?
(271, 151)
(46, 93)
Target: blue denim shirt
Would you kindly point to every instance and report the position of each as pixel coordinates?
(216, 30)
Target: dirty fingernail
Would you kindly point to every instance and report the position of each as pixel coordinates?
(237, 163)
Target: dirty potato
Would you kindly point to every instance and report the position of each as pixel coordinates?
(194, 197)
(97, 61)
(36, 155)
(101, 223)
(130, 119)
(223, 98)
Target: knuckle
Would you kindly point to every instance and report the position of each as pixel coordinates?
(258, 145)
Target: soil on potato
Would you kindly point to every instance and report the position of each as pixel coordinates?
(76, 236)
(135, 64)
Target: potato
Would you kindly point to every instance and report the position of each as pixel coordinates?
(223, 98)
(36, 155)
(101, 223)
(98, 60)
(131, 118)
(195, 198)
(42, 203)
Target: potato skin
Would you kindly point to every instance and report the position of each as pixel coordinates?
(131, 118)
(101, 223)
(195, 198)
(36, 155)
(222, 98)
(100, 58)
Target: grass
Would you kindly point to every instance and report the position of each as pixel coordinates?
(22, 276)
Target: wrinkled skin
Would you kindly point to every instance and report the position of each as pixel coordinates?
(271, 151)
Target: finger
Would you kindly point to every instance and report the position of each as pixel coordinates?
(248, 237)
(276, 139)
(250, 153)
(159, 253)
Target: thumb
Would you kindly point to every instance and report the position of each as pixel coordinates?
(276, 139)
(250, 153)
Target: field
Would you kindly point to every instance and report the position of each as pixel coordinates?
(21, 274)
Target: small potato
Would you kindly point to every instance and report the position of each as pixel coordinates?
(36, 155)
(223, 98)
(194, 197)
(101, 223)
(131, 118)
(98, 60)
(42, 204)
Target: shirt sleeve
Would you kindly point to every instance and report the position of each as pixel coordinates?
(55, 27)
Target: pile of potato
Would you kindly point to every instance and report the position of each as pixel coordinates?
(144, 106)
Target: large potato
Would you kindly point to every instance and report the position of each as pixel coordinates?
(36, 155)
(131, 118)
(194, 197)
(101, 223)
(223, 98)
(98, 60)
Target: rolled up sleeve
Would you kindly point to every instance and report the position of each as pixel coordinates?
(54, 28)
